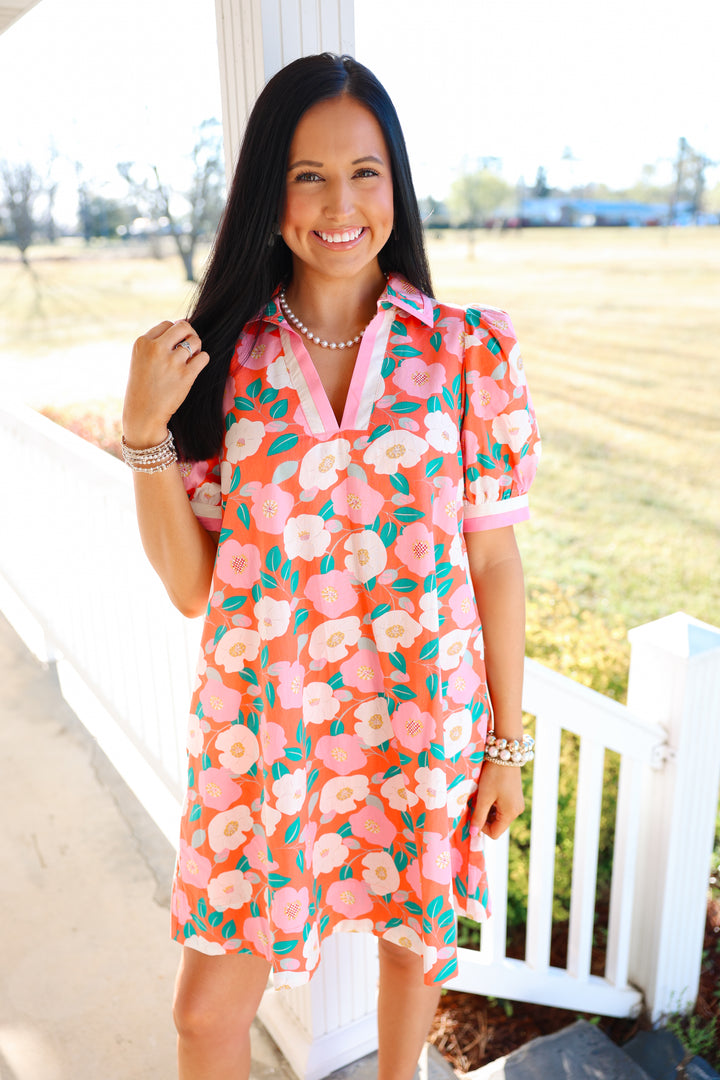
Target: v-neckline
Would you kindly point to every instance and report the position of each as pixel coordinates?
(366, 383)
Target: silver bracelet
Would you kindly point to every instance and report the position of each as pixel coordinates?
(153, 459)
(512, 752)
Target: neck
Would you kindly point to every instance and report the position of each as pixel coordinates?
(336, 308)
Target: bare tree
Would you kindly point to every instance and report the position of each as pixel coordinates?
(203, 197)
(21, 186)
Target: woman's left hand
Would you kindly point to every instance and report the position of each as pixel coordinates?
(499, 799)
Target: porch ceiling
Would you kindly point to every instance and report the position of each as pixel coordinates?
(12, 10)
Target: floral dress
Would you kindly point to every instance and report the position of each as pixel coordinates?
(338, 723)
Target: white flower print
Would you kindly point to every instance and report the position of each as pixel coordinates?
(277, 374)
(405, 937)
(195, 737)
(374, 727)
(229, 890)
(290, 791)
(306, 537)
(513, 428)
(319, 468)
(457, 732)
(368, 555)
(269, 817)
(354, 926)
(395, 630)
(201, 945)
(442, 433)
(486, 489)
(458, 796)
(430, 617)
(319, 703)
(331, 640)
(342, 794)
(311, 948)
(516, 367)
(228, 829)
(329, 852)
(273, 617)
(397, 449)
(243, 439)
(236, 647)
(453, 647)
(238, 747)
(397, 794)
(380, 873)
(431, 787)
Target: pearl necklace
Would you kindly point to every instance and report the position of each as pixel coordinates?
(292, 317)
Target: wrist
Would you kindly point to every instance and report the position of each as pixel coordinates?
(138, 438)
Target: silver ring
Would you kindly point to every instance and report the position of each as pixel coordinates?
(184, 345)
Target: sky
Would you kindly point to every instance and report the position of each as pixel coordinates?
(525, 81)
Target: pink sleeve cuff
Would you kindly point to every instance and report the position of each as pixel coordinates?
(495, 515)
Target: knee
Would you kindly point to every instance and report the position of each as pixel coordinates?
(400, 959)
(200, 1017)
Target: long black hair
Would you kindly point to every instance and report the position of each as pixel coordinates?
(245, 268)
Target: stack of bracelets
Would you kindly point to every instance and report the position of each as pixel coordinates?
(513, 752)
(153, 459)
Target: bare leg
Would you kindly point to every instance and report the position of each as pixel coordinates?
(216, 998)
(405, 1011)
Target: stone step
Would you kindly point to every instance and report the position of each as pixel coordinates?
(578, 1052)
(660, 1053)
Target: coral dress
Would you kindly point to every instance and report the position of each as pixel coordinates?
(338, 724)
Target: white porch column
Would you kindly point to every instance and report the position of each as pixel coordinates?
(675, 682)
(332, 1021)
(258, 37)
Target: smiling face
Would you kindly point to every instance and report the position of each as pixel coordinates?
(339, 191)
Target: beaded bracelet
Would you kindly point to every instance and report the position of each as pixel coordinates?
(513, 752)
(153, 459)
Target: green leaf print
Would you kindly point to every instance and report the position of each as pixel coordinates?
(276, 881)
(493, 345)
(270, 694)
(345, 872)
(430, 583)
(401, 860)
(437, 751)
(403, 693)
(254, 388)
(243, 515)
(293, 831)
(445, 972)
(282, 948)
(450, 935)
(434, 404)
(392, 923)
(249, 676)
(283, 444)
(268, 580)
(436, 340)
(434, 907)
(449, 399)
(273, 558)
(407, 515)
(327, 510)
(430, 650)
(206, 761)
(337, 728)
(286, 570)
(300, 860)
(312, 778)
(406, 351)
(423, 759)
(233, 603)
(444, 586)
(279, 770)
(388, 533)
(327, 564)
(279, 408)
(382, 429)
(473, 317)
(243, 404)
(443, 569)
(235, 482)
(399, 482)
(268, 395)
(433, 466)
(398, 661)
(300, 616)
(446, 917)
(412, 907)
(405, 407)
(404, 585)
(216, 918)
(196, 812)
(229, 930)
(294, 753)
(336, 680)
(432, 682)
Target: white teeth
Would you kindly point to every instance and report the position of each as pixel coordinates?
(340, 238)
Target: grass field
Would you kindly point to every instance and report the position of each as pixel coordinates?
(620, 332)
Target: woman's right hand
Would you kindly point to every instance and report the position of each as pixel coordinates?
(161, 374)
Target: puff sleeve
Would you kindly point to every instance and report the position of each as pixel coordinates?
(499, 433)
(202, 484)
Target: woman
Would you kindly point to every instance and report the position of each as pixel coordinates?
(352, 493)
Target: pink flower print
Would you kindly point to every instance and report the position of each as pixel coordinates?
(290, 684)
(412, 876)
(229, 890)
(195, 739)
(342, 794)
(363, 671)
(413, 728)
(307, 839)
(289, 909)
(238, 747)
(431, 786)
(441, 432)
(418, 379)
(357, 501)
(340, 753)
(319, 703)
(271, 507)
(332, 639)
(498, 320)
(238, 564)
(262, 354)
(329, 852)
(217, 788)
(331, 594)
(396, 794)
(243, 439)
(462, 684)
(373, 727)
(180, 905)
(415, 547)
(194, 868)
(395, 630)
(524, 472)
(462, 605)
(273, 617)
(289, 791)
(512, 428)
(454, 336)
(370, 824)
(470, 446)
(219, 702)
(447, 505)
(349, 897)
(437, 858)
(227, 830)
(256, 853)
(487, 398)
(258, 931)
(236, 647)
(273, 741)
(380, 873)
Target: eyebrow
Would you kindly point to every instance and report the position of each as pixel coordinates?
(319, 164)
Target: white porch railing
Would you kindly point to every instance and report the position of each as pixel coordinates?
(76, 584)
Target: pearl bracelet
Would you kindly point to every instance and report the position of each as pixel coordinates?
(513, 752)
(153, 459)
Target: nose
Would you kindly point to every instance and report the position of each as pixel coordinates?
(339, 203)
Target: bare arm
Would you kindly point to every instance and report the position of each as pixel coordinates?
(178, 547)
(497, 575)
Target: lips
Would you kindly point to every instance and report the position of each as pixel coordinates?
(343, 237)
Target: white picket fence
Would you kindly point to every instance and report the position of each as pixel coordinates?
(75, 583)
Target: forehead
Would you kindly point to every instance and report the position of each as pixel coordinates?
(338, 128)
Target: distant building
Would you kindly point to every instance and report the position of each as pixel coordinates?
(568, 210)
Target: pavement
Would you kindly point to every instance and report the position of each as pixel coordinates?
(87, 965)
